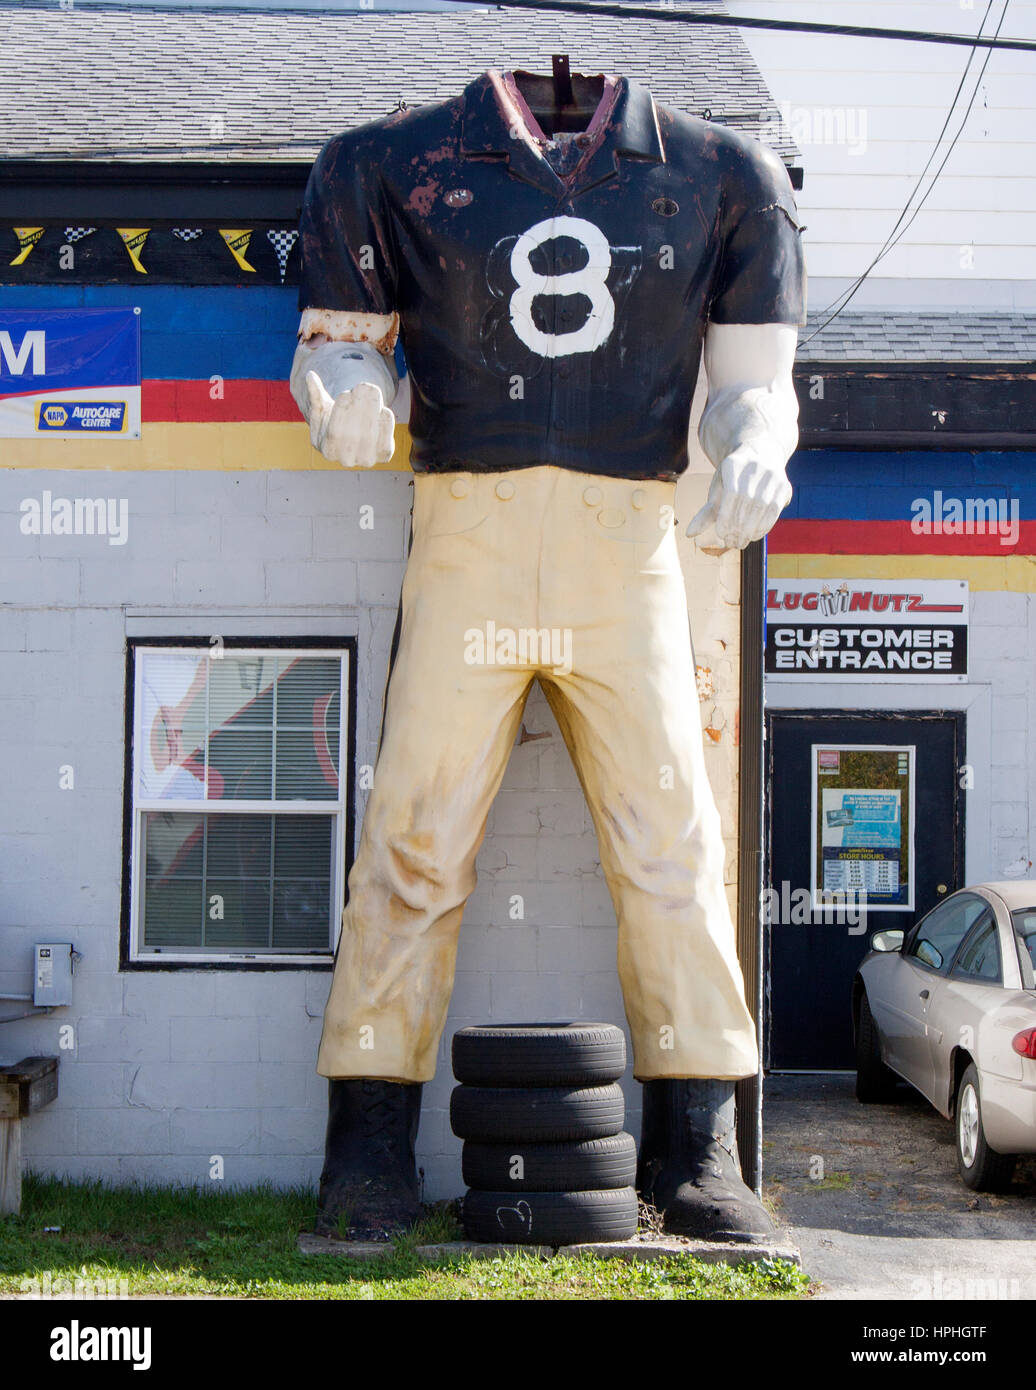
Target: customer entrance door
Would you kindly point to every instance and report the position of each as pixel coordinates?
(865, 831)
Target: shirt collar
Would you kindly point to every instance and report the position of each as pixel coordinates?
(493, 124)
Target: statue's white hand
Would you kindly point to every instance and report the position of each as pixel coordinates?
(746, 496)
(354, 428)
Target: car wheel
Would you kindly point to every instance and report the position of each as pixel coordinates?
(980, 1167)
(874, 1081)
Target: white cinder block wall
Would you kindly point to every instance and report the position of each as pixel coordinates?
(169, 1068)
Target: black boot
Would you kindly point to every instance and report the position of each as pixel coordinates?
(688, 1167)
(370, 1172)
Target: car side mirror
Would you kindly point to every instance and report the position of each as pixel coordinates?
(887, 940)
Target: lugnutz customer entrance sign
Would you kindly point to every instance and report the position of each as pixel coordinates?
(869, 630)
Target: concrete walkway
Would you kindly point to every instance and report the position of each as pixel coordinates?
(871, 1196)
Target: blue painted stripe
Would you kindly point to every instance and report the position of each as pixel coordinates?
(831, 484)
(192, 332)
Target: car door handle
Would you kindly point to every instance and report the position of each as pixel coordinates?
(924, 994)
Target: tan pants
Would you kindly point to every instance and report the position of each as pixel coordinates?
(593, 561)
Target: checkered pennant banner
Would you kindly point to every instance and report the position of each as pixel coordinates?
(282, 241)
(74, 234)
(187, 233)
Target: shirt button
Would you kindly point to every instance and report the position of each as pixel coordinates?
(505, 490)
(639, 498)
(460, 487)
(592, 496)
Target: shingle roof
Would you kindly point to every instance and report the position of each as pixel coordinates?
(124, 83)
(921, 336)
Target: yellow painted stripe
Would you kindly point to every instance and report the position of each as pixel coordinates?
(232, 447)
(1016, 573)
(251, 446)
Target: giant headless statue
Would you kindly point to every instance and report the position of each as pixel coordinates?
(554, 263)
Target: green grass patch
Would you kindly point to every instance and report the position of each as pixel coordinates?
(242, 1244)
(832, 1181)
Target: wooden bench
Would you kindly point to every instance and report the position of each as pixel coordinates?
(25, 1087)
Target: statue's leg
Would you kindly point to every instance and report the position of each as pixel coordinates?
(629, 713)
(449, 725)
(689, 1166)
(369, 1180)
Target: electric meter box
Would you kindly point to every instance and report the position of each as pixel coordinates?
(52, 975)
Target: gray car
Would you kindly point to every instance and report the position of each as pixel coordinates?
(950, 1007)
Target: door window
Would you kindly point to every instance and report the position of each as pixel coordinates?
(979, 957)
(936, 937)
(1025, 938)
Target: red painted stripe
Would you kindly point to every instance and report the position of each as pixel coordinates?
(802, 536)
(193, 401)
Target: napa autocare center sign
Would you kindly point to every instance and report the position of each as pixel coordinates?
(68, 373)
(867, 630)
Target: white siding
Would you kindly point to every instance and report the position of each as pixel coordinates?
(885, 102)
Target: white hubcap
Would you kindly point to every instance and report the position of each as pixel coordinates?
(967, 1124)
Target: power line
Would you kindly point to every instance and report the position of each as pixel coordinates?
(668, 13)
(899, 230)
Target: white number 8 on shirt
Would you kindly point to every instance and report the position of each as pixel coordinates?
(588, 280)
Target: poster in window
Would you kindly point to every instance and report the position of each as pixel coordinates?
(863, 826)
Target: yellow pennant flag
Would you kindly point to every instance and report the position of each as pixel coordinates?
(134, 239)
(238, 241)
(27, 239)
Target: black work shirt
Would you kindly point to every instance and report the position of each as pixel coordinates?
(551, 319)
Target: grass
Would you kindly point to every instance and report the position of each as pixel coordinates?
(832, 1181)
(242, 1244)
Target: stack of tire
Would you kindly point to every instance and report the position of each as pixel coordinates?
(545, 1159)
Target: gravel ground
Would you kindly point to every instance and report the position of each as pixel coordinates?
(871, 1196)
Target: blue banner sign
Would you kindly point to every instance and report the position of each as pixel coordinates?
(69, 371)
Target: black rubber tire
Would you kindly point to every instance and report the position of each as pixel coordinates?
(874, 1081)
(550, 1218)
(566, 1167)
(536, 1114)
(539, 1054)
(988, 1171)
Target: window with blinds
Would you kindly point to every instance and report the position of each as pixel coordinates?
(239, 809)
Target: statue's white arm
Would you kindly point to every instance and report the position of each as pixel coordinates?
(344, 379)
(748, 430)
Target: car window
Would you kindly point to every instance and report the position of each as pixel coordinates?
(979, 957)
(937, 936)
(1025, 935)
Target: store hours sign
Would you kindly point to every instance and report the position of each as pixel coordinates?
(863, 825)
(867, 630)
